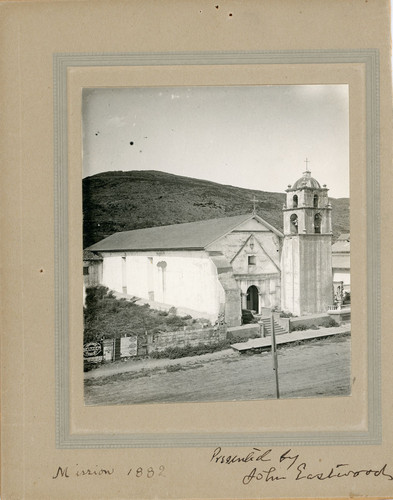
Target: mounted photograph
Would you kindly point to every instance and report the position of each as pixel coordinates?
(216, 243)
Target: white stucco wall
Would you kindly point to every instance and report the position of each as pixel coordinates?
(190, 279)
(112, 272)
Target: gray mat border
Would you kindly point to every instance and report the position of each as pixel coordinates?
(66, 440)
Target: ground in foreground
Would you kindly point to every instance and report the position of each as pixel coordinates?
(319, 368)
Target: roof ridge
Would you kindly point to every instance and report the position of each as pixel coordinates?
(189, 235)
(200, 221)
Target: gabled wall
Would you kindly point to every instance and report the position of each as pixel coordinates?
(250, 238)
(254, 253)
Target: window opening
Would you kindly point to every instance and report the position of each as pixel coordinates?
(162, 266)
(252, 260)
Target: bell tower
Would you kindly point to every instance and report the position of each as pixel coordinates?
(306, 259)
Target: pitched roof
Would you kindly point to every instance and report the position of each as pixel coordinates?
(342, 245)
(344, 236)
(191, 235)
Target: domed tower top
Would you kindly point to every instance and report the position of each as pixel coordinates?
(306, 181)
(307, 208)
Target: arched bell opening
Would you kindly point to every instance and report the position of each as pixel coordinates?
(317, 223)
(294, 224)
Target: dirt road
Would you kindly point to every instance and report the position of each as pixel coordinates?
(315, 369)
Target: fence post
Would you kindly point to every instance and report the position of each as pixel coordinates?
(261, 329)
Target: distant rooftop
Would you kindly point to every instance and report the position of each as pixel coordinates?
(344, 236)
(342, 244)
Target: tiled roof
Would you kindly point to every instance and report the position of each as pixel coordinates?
(344, 236)
(341, 246)
(191, 235)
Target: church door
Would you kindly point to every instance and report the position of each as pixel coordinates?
(252, 298)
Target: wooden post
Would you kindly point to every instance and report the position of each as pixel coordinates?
(261, 328)
(274, 354)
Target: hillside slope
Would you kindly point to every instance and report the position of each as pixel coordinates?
(121, 201)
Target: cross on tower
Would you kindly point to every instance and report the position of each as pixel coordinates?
(254, 201)
(307, 161)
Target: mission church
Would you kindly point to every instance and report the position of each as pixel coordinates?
(218, 267)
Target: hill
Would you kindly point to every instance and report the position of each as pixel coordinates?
(122, 201)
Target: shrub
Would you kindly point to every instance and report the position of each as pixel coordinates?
(284, 314)
(88, 365)
(299, 328)
(329, 323)
(188, 350)
(248, 317)
(106, 316)
(173, 368)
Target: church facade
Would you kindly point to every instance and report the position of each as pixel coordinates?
(220, 266)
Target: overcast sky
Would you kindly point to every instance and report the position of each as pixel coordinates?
(254, 137)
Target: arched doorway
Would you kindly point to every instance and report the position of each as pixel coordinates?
(253, 298)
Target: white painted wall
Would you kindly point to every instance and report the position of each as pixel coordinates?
(190, 278)
(112, 272)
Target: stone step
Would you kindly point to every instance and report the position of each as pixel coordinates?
(278, 329)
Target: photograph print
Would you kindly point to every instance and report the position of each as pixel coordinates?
(216, 243)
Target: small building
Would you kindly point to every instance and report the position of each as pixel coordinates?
(92, 270)
(341, 263)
